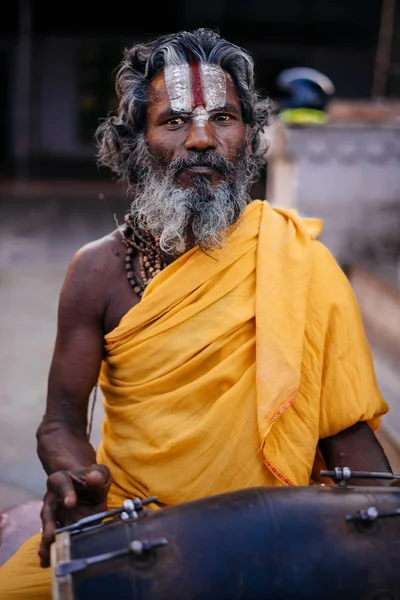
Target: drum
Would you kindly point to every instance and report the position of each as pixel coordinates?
(268, 543)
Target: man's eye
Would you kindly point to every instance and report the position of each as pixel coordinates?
(223, 117)
(175, 121)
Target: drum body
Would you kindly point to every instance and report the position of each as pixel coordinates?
(255, 544)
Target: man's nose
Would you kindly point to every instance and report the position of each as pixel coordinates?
(200, 136)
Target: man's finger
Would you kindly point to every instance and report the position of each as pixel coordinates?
(49, 516)
(49, 520)
(61, 484)
(98, 476)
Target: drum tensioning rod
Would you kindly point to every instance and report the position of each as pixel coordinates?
(343, 475)
(129, 506)
(138, 547)
(372, 514)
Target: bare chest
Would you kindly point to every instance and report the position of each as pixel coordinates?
(120, 295)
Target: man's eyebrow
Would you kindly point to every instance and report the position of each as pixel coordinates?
(228, 107)
(169, 112)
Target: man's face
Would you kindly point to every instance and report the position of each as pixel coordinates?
(195, 163)
(194, 108)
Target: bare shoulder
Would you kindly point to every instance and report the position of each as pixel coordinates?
(92, 272)
(99, 255)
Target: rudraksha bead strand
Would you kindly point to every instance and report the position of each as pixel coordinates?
(147, 248)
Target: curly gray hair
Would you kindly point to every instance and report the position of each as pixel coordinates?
(119, 138)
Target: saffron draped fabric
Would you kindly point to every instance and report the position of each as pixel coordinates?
(234, 364)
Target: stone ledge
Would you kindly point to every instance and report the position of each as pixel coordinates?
(60, 188)
(17, 525)
(379, 305)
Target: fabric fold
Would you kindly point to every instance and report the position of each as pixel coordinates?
(215, 380)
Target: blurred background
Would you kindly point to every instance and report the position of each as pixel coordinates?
(334, 154)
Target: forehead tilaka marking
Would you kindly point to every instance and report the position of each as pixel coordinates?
(194, 86)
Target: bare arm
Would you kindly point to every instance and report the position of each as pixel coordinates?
(61, 436)
(76, 486)
(358, 448)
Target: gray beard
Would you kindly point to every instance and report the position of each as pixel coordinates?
(200, 215)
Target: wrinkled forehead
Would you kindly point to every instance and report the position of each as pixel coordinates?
(190, 85)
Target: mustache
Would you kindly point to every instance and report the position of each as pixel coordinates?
(208, 158)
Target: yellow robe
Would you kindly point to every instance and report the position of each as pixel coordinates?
(232, 367)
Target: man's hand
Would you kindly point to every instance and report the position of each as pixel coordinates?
(70, 496)
(358, 448)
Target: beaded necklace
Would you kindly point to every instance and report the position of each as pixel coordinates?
(151, 259)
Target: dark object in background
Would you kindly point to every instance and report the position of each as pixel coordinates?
(307, 92)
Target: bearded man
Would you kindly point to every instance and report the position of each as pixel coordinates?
(226, 340)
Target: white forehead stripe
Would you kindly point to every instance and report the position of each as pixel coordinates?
(214, 86)
(200, 116)
(177, 80)
(179, 83)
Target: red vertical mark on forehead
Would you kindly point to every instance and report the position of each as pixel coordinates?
(197, 84)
